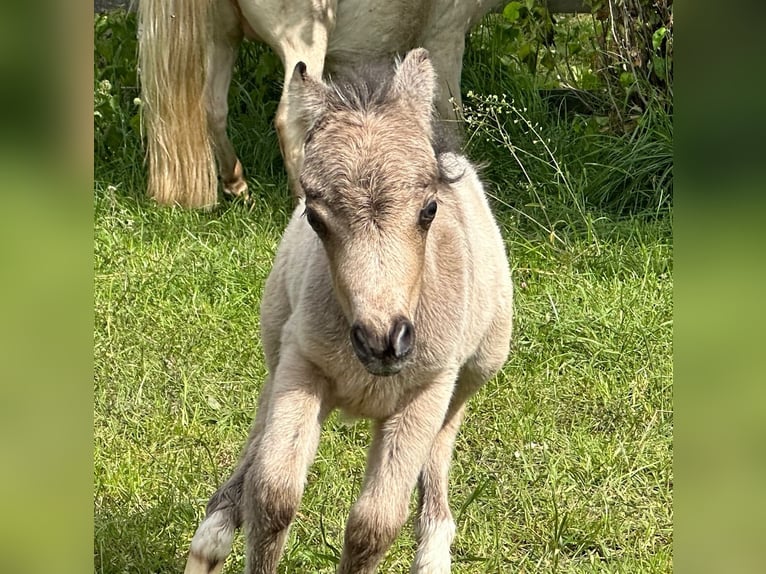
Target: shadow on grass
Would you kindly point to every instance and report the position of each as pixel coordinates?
(147, 541)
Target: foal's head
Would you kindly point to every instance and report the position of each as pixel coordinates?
(370, 179)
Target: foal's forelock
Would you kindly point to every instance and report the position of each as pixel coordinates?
(375, 168)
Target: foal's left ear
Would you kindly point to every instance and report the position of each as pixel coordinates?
(415, 82)
(307, 96)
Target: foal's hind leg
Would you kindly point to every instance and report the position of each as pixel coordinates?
(226, 40)
(223, 515)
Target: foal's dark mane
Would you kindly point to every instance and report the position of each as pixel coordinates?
(368, 88)
(363, 88)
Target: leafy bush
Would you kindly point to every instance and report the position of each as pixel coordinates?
(623, 50)
(116, 103)
(565, 123)
(635, 39)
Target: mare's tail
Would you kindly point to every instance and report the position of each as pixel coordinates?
(173, 45)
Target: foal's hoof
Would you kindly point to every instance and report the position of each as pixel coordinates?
(196, 564)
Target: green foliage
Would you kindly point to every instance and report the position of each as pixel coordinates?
(530, 27)
(635, 51)
(116, 105)
(585, 144)
(622, 52)
(518, 38)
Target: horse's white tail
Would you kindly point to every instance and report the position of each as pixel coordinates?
(173, 45)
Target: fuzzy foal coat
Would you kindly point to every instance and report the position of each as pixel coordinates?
(363, 256)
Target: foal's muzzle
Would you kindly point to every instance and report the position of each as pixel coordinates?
(384, 354)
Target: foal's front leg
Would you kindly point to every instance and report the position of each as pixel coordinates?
(274, 481)
(434, 525)
(399, 449)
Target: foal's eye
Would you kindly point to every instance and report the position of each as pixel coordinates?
(315, 222)
(427, 214)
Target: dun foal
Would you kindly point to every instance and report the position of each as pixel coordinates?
(390, 298)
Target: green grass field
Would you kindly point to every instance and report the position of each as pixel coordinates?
(564, 462)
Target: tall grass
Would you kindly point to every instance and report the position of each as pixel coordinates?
(564, 463)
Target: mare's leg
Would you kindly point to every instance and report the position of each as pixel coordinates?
(446, 52)
(400, 447)
(226, 39)
(272, 484)
(444, 38)
(299, 31)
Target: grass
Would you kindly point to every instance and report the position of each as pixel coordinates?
(564, 462)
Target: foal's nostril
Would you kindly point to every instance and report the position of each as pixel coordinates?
(402, 338)
(359, 342)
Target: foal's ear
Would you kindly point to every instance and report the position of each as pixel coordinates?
(415, 81)
(307, 96)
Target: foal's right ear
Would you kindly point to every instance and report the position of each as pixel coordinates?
(415, 82)
(307, 96)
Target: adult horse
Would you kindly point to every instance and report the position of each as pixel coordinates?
(187, 52)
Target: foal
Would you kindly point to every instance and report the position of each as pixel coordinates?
(390, 298)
